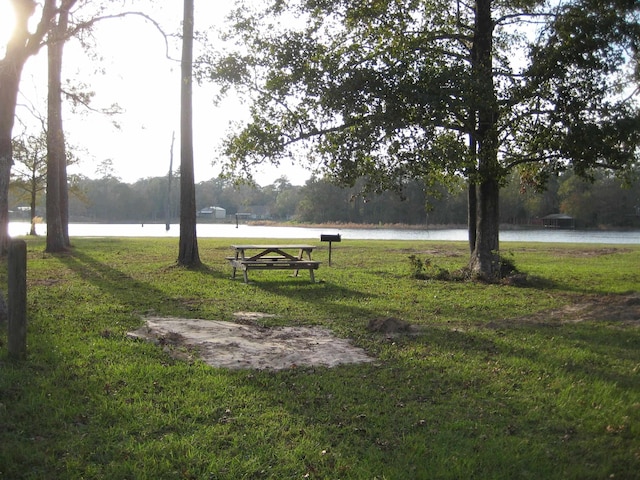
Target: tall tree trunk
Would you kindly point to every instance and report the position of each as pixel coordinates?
(20, 47)
(485, 258)
(472, 170)
(9, 81)
(472, 211)
(63, 183)
(32, 204)
(484, 262)
(56, 155)
(188, 249)
(167, 213)
(64, 199)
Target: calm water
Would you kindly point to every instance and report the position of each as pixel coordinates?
(250, 231)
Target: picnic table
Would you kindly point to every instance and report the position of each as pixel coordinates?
(272, 257)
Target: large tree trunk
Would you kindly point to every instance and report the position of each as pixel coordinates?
(472, 169)
(472, 213)
(485, 258)
(484, 262)
(56, 155)
(188, 250)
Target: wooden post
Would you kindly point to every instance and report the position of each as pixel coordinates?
(17, 302)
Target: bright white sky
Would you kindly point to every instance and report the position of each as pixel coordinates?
(146, 85)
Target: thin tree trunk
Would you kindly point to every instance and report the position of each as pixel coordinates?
(188, 249)
(63, 189)
(169, 178)
(32, 205)
(56, 155)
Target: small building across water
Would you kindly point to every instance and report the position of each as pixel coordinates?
(559, 220)
(213, 212)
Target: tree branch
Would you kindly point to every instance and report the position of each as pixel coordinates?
(87, 25)
(83, 99)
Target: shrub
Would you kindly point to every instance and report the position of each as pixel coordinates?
(507, 265)
(427, 270)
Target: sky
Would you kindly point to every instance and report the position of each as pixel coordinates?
(131, 69)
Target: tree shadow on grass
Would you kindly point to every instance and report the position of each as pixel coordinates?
(430, 402)
(139, 295)
(143, 297)
(585, 350)
(433, 397)
(333, 300)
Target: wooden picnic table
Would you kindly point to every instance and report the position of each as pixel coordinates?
(273, 257)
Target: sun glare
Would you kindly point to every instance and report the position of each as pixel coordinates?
(7, 20)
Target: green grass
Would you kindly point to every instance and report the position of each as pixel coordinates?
(478, 394)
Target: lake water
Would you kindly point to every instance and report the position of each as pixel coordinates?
(212, 230)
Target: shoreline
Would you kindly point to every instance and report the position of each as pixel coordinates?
(354, 226)
(399, 226)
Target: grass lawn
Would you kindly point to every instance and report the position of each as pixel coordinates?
(497, 385)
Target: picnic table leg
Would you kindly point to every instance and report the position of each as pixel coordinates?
(313, 279)
(246, 275)
(233, 276)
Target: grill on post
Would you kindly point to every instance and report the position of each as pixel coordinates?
(330, 239)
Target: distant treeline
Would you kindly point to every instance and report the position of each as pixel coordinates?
(606, 202)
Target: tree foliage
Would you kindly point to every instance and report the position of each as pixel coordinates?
(29, 173)
(580, 102)
(607, 202)
(433, 90)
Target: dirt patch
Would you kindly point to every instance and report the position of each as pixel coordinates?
(623, 310)
(248, 345)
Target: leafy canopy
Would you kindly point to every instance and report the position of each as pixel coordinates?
(387, 89)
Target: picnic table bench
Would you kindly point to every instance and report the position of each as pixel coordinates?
(273, 257)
